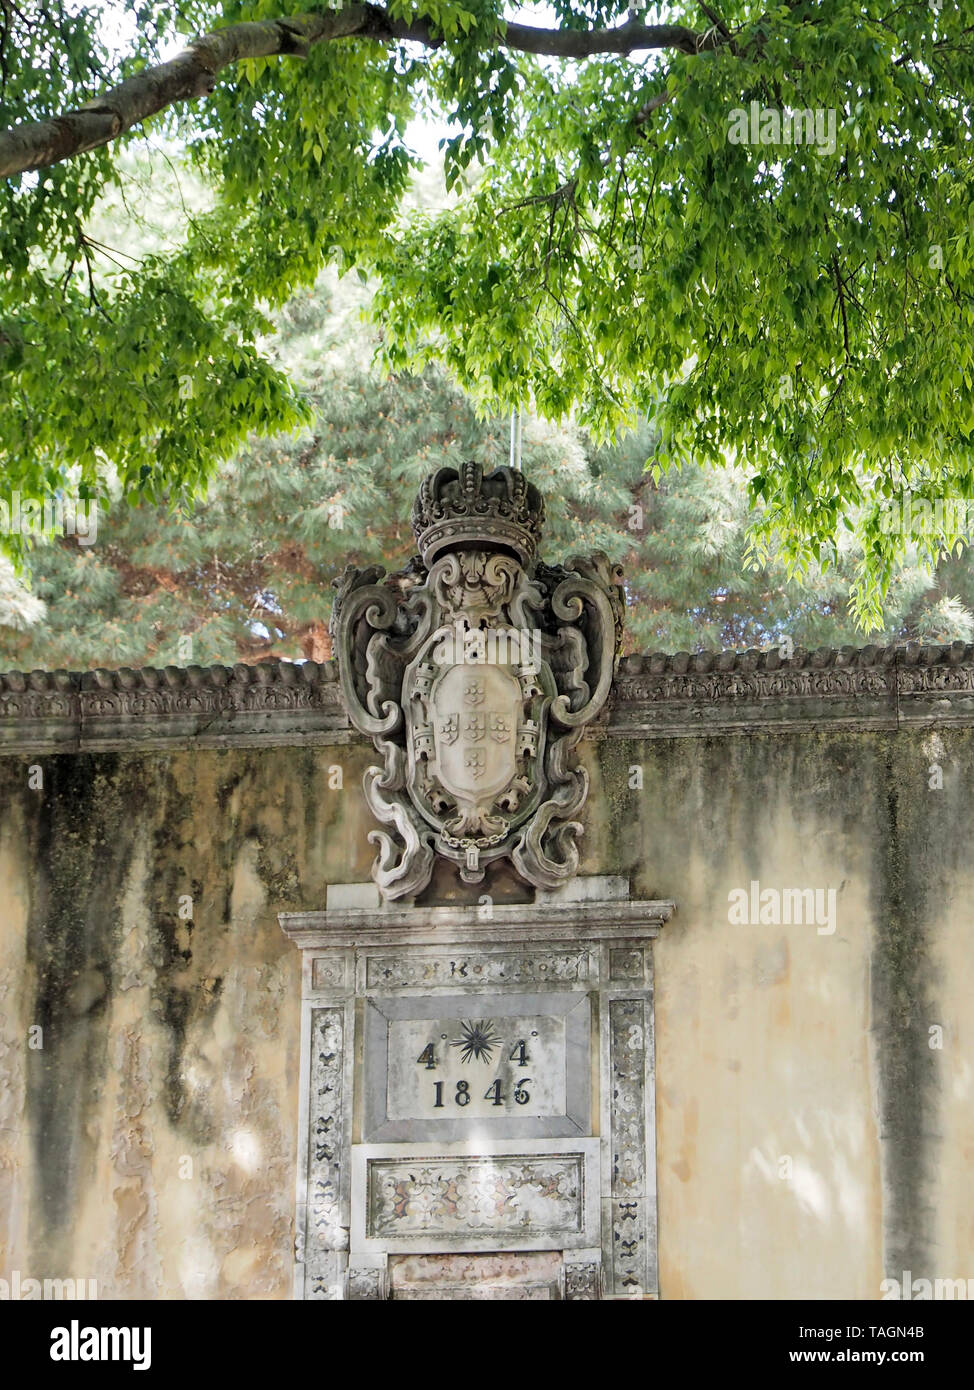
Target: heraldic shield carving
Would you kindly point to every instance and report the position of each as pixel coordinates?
(475, 671)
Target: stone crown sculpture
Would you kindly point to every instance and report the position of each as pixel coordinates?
(462, 507)
(475, 671)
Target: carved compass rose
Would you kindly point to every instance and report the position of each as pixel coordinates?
(477, 1040)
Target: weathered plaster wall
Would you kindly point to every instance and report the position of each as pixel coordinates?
(810, 1139)
(167, 1040)
(150, 1143)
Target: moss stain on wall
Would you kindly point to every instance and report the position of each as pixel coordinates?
(151, 1143)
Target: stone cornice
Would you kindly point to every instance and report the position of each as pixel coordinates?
(743, 692)
(654, 696)
(595, 908)
(217, 706)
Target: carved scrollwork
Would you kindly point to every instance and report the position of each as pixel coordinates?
(568, 602)
(474, 671)
(366, 1284)
(584, 1280)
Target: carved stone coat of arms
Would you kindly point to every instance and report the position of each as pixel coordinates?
(475, 670)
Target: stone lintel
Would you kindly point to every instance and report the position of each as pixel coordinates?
(578, 912)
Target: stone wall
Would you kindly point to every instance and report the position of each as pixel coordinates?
(810, 1138)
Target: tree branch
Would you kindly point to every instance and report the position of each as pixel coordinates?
(648, 107)
(192, 74)
(715, 19)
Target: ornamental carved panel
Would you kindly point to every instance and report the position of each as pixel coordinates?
(475, 671)
(466, 1100)
(504, 1197)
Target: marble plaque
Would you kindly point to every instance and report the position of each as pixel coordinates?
(476, 1068)
(511, 1065)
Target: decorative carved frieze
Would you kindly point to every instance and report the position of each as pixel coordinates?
(528, 1195)
(278, 701)
(654, 695)
(737, 692)
(627, 1108)
(327, 1224)
(460, 969)
(501, 1196)
(532, 1277)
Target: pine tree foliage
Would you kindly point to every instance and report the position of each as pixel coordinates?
(245, 574)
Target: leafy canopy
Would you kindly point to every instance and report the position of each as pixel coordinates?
(802, 307)
(246, 575)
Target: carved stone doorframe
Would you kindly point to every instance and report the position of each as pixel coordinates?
(579, 961)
